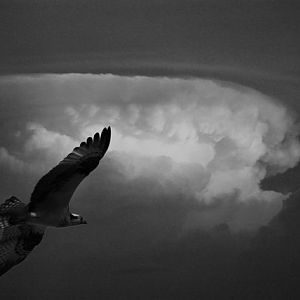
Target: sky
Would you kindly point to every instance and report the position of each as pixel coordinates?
(202, 97)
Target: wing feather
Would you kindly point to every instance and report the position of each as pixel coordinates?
(11, 210)
(16, 241)
(55, 189)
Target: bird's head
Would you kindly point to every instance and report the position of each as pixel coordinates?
(77, 220)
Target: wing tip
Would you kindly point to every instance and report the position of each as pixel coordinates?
(108, 137)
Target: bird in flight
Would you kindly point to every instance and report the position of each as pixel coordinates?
(22, 226)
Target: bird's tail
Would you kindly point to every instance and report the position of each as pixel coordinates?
(12, 212)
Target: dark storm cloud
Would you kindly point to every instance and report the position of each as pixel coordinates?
(149, 234)
(204, 139)
(145, 236)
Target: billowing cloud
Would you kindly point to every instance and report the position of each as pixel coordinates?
(52, 144)
(213, 141)
(12, 162)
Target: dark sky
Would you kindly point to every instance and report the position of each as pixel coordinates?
(148, 235)
(258, 36)
(252, 42)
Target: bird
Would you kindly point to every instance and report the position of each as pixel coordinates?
(22, 226)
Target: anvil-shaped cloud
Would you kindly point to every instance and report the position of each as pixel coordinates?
(212, 141)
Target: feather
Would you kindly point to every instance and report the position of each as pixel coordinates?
(96, 138)
(55, 189)
(49, 201)
(17, 241)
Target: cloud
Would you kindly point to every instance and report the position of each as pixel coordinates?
(212, 141)
(11, 161)
(52, 143)
(40, 151)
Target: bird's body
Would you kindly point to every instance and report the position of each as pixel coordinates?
(55, 218)
(22, 226)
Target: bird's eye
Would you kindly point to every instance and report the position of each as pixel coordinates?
(74, 216)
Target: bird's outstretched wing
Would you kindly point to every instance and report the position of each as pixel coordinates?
(16, 241)
(55, 189)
